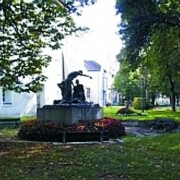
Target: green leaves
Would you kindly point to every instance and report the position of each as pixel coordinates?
(141, 19)
(150, 30)
(26, 29)
(127, 82)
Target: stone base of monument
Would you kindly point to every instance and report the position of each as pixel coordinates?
(84, 136)
(69, 114)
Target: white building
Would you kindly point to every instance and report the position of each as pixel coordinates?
(14, 104)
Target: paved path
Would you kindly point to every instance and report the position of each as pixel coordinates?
(141, 132)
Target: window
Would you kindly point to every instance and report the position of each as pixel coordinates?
(6, 97)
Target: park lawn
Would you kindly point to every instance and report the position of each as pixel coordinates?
(146, 158)
(8, 133)
(146, 115)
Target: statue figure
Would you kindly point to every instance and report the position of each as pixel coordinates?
(61, 86)
(79, 91)
(66, 85)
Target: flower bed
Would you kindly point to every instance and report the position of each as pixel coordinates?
(94, 130)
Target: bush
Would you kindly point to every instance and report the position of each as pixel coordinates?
(40, 131)
(50, 131)
(140, 103)
(115, 127)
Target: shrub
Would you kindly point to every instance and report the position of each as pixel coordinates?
(140, 103)
(40, 131)
(50, 131)
(115, 127)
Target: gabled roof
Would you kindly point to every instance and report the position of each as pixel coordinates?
(91, 65)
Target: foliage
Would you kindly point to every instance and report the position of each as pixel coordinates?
(140, 103)
(127, 82)
(50, 131)
(150, 31)
(27, 28)
(165, 65)
(39, 131)
(134, 29)
(114, 126)
(140, 19)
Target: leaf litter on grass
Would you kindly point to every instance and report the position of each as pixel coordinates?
(138, 158)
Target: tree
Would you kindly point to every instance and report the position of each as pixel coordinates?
(163, 58)
(140, 19)
(150, 30)
(135, 26)
(127, 83)
(26, 29)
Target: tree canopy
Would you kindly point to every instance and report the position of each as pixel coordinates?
(127, 82)
(150, 30)
(26, 29)
(140, 19)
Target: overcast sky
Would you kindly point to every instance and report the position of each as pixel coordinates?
(102, 42)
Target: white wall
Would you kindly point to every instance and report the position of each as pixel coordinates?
(54, 74)
(162, 100)
(94, 87)
(22, 104)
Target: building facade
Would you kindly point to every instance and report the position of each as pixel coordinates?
(25, 104)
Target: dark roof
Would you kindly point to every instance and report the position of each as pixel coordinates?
(91, 65)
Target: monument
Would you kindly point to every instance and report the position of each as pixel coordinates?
(73, 106)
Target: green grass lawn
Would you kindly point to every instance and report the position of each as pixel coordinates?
(137, 158)
(146, 115)
(8, 134)
(146, 158)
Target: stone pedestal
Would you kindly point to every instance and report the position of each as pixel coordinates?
(69, 114)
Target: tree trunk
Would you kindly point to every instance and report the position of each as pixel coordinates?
(177, 99)
(173, 96)
(153, 99)
(173, 101)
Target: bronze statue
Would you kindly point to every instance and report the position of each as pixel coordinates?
(78, 92)
(66, 85)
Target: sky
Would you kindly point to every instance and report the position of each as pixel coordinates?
(102, 42)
